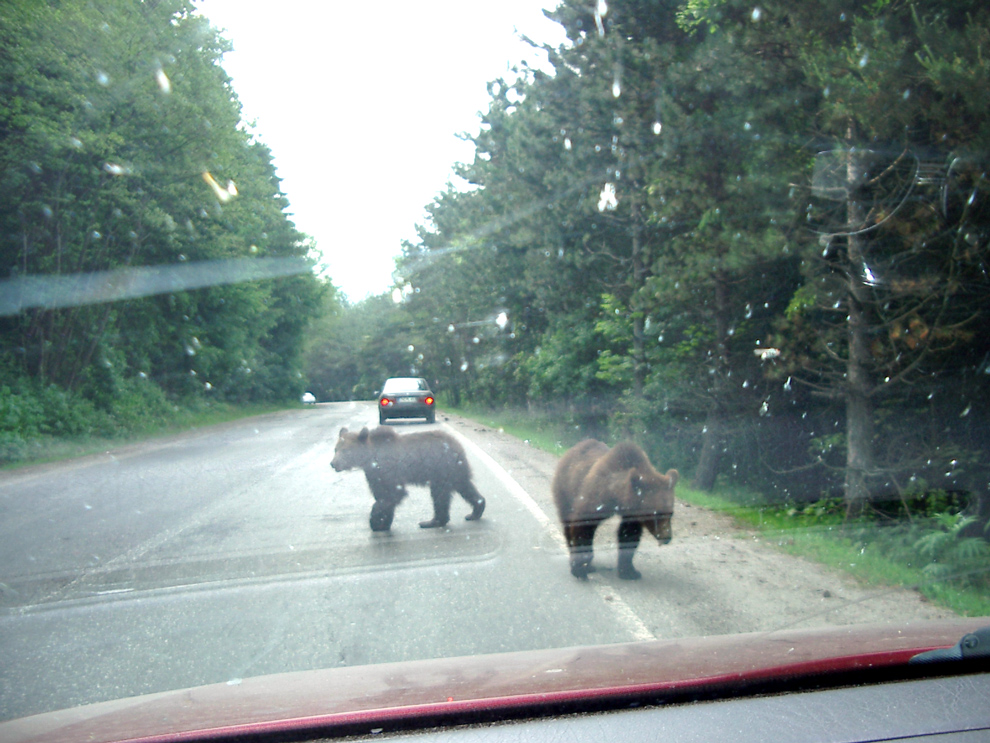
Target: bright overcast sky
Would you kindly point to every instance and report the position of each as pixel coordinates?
(361, 103)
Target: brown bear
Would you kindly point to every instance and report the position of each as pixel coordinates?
(593, 482)
(390, 462)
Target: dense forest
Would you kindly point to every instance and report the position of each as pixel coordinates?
(751, 236)
(146, 257)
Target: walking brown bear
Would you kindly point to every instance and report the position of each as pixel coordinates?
(390, 462)
(593, 482)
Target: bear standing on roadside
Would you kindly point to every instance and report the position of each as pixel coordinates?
(390, 462)
(593, 482)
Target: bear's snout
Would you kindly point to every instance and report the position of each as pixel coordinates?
(660, 528)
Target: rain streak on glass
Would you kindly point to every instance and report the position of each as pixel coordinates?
(601, 9)
(164, 84)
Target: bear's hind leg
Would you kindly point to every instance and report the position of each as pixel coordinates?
(470, 493)
(441, 506)
(630, 531)
(580, 537)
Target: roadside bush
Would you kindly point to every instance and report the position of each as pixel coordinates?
(31, 413)
(140, 405)
(21, 413)
(937, 546)
(64, 413)
(13, 448)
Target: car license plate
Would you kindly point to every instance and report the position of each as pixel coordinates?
(408, 399)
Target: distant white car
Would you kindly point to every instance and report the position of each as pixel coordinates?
(308, 397)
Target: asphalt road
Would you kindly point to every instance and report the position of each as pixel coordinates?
(237, 551)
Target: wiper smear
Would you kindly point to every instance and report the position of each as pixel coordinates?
(53, 292)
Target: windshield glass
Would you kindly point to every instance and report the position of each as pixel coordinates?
(405, 385)
(701, 289)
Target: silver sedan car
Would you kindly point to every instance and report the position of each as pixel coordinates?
(406, 397)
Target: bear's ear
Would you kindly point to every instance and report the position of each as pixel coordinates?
(343, 433)
(673, 476)
(363, 436)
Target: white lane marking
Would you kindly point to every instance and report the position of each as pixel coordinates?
(636, 626)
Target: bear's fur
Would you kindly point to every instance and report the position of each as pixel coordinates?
(593, 482)
(390, 462)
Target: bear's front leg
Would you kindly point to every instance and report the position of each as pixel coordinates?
(382, 514)
(630, 531)
(580, 537)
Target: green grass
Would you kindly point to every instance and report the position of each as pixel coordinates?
(818, 532)
(857, 548)
(47, 449)
(545, 435)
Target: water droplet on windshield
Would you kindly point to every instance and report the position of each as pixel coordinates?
(607, 199)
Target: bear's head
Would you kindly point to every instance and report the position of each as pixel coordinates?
(655, 499)
(351, 451)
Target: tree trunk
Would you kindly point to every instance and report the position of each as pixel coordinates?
(711, 441)
(638, 279)
(859, 385)
(713, 434)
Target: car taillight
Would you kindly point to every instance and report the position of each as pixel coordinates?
(428, 400)
(384, 402)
